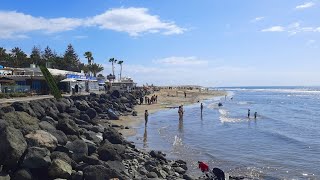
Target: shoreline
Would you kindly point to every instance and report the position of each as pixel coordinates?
(166, 99)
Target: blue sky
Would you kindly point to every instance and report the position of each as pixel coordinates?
(205, 42)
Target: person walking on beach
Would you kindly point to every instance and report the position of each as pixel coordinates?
(248, 113)
(255, 115)
(146, 99)
(185, 95)
(141, 100)
(201, 107)
(146, 115)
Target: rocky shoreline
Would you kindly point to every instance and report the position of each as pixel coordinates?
(63, 139)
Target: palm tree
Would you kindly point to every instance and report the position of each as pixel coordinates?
(88, 55)
(120, 63)
(113, 60)
(86, 69)
(95, 69)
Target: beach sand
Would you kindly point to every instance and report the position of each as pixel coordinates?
(167, 98)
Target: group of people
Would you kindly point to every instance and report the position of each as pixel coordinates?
(152, 100)
(254, 115)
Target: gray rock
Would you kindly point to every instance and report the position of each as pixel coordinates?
(37, 158)
(61, 155)
(92, 160)
(188, 177)
(60, 169)
(22, 121)
(113, 136)
(50, 120)
(37, 109)
(79, 149)
(12, 146)
(61, 136)
(92, 113)
(108, 153)
(22, 174)
(4, 176)
(143, 171)
(77, 175)
(68, 127)
(85, 117)
(44, 125)
(42, 138)
(24, 107)
(112, 115)
(99, 172)
(152, 175)
(7, 109)
(179, 170)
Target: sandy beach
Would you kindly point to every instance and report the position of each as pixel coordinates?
(167, 98)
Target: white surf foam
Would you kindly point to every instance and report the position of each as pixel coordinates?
(177, 141)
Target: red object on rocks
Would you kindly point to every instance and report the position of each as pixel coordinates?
(203, 166)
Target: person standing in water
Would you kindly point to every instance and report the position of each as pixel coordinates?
(248, 113)
(180, 112)
(201, 107)
(146, 116)
(255, 115)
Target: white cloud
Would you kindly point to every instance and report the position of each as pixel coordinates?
(305, 5)
(257, 19)
(274, 29)
(80, 37)
(181, 61)
(134, 21)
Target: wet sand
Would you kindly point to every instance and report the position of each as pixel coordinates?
(166, 99)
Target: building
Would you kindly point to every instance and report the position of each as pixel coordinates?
(124, 84)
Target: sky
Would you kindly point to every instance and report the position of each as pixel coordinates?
(211, 43)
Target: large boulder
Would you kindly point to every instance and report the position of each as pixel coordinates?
(22, 174)
(99, 172)
(115, 94)
(110, 152)
(50, 120)
(42, 138)
(113, 136)
(44, 125)
(7, 109)
(24, 107)
(60, 169)
(68, 126)
(61, 106)
(92, 113)
(218, 173)
(112, 115)
(61, 155)
(85, 117)
(37, 109)
(61, 136)
(12, 146)
(82, 105)
(37, 157)
(79, 149)
(22, 121)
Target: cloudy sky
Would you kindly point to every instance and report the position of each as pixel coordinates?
(204, 42)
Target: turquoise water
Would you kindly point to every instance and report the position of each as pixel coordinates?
(282, 143)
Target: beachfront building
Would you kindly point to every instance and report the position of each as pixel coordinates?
(31, 80)
(124, 84)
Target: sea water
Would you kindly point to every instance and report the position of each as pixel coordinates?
(283, 142)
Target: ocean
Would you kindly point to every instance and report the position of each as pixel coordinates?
(283, 142)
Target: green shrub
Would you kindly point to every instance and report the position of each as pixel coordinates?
(51, 82)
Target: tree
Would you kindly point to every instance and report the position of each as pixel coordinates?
(51, 82)
(88, 55)
(71, 59)
(112, 60)
(86, 69)
(19, 57)
(120, 63)
(35, 56)
(95, 68)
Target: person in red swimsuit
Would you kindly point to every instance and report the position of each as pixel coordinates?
(203, 166)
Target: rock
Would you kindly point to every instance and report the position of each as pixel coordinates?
(115, 94)
(22, 121)
(143, 171)
(162, 174)
(42, 138)
(112, 115)
(79, 149)
(68, 127)
(61, 155)
(61, 106)
(124, 100)
(22, 174)
(117, 166)
(179, 170)
(7, 109)
(4, 176)
(77, 175)
(37, 158)
(73, 110)
(24, 107)
(99, 110)
(113, 136)
(50, 120)
(219, 174)
(82, 105)
(44, 125)
(188, 177)
(90, 135)
(61, 136)
(37, 109)
(82, 122)
(107, 152)
(157, 155)
(92, 113)
(12, 146)
(85, 117)
(152, 175)
(134, 113)
(92, 160)
(99, 172)
(60, 169)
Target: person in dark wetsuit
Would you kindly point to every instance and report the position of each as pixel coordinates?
(201, 107)
(248, 113)
(255, 115)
